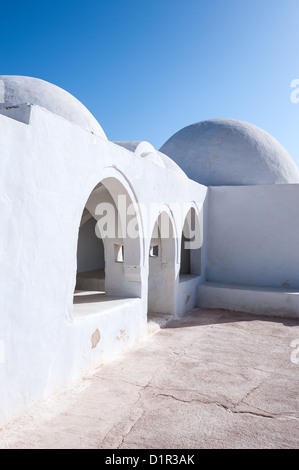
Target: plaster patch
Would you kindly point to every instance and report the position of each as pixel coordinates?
(286, 284)
(95, 339)
(121, 335)
(2, 92)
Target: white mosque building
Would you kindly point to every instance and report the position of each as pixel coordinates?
(97, 236)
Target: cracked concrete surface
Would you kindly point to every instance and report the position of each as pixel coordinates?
(215, 379)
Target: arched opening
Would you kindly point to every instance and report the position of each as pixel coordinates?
(108, 250)
(191, 242)
(161, 278)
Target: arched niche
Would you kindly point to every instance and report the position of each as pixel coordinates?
(162, 264)
(109, 245)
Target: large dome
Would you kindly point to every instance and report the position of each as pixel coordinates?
(226, 152)
(19, 90)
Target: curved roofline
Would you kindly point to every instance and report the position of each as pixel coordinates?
(144, 149)
(230, 152)
(17, 90)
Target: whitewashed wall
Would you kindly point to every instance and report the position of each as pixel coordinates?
(48, 168)
(254, 235)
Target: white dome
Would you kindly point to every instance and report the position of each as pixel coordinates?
(19, 90)
(226, 152)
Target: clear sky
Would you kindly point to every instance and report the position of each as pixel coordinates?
(146, 69)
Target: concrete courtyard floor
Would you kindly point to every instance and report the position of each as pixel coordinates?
(215, 379)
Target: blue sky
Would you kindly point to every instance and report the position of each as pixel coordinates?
(146, 69)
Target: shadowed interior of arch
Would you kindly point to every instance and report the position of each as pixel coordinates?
(190, 264)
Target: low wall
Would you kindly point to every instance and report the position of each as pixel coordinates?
(279, 302)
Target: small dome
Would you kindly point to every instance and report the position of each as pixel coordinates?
(145, 150)
(226, 152)
(19, 90)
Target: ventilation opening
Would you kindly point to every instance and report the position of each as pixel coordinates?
(119, 253)
(154, 251)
